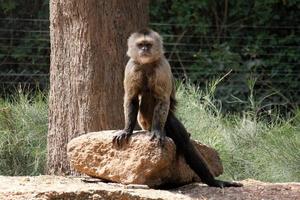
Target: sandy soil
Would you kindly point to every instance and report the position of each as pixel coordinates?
(56, 187)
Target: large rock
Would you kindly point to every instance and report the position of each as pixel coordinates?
(140, 161)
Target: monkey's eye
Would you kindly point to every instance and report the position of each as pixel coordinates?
(148, 45)
(140, 45)
(144, 45)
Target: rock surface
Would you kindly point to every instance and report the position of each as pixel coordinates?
(140, 161)
(59, 188)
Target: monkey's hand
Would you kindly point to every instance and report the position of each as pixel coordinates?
(160, 135)
(121, 136)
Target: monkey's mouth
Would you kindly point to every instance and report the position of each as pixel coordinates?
(145, 54)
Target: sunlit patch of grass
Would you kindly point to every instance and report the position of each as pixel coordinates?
(249, 147)
(23, 130)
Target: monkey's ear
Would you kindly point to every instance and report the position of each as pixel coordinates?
(132, 38)
(128, 53)
(130, 45)
(158, 36)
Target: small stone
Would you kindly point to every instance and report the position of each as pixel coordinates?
(26, 179)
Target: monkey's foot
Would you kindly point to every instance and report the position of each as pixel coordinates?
(121, 136)
(161, 137)
(222, 184)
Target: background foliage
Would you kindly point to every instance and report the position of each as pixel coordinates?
(24, 44)
(257, 41)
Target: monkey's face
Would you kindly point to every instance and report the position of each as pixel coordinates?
(145, 48)
(145, 52)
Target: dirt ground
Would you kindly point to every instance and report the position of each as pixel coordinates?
(56, 187)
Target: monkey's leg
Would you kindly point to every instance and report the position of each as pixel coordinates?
(131, 107)
(159, 119)
(180, 136)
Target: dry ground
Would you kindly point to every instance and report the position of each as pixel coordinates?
(75, 188)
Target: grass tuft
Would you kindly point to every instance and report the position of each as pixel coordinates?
(249, 147)
(23, 130)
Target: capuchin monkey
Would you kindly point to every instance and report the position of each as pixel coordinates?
(150, 99)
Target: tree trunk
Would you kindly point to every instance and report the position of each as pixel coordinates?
(88, 57)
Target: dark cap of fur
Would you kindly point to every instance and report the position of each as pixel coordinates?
(144, 31)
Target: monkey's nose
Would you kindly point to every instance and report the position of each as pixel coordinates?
(144, 48)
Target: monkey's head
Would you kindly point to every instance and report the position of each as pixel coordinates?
(145, 46)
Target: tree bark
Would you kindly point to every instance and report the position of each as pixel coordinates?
(88, 57)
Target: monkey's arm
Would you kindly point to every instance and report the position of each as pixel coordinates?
(160, 115)
(131, 106)
(162, 91)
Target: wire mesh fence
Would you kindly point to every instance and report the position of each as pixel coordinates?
(25, 57)
(24, 53)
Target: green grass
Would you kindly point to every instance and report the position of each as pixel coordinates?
(23, 131)
(249, 146)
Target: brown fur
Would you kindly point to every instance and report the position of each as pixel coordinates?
(151, 83)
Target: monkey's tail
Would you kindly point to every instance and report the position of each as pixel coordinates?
(175, 130)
